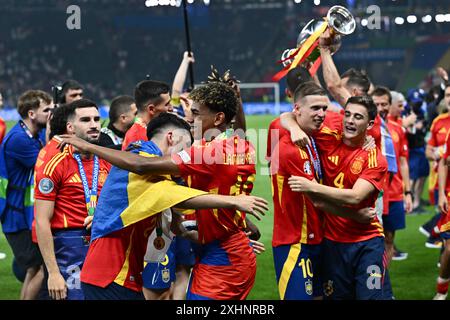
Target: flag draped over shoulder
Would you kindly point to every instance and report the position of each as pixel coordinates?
(127, 198)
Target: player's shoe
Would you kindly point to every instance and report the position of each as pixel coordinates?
(433, 243)
(399, 255)
(440, 296)
(2, 255)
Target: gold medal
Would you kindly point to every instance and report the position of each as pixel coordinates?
(159, 243)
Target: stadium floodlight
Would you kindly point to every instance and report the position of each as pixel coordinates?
(297, 1)
(427, 18)
(206, 2)
(411, 19)
(364, 22)
(447, 17)
(440, 18)
(317, 2)
(190, 1)
(399, 20)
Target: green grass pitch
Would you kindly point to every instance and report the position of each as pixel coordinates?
(413, 278)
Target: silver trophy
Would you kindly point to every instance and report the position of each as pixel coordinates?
(340, 22)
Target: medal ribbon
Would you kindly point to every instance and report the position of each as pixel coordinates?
(90, 195)
(28, 132)
(315, 160)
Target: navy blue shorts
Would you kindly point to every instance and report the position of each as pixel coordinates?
(353, 270)
(297, 268)
(418, 164)
(111, 292)
(160, 275)
(395, 220)
(184, 253)
(71, 247)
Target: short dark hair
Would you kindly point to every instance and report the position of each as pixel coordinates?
(149, 91)
(358, 78)
(58, 121)
(217, 97)
(165, 120)
(69, 85)
(119, 105)
(367, 102)
(382, 91)
(78, 104)
(296, 77)
(308, 88)
(30, 100)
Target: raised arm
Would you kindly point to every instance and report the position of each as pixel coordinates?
(331, 76)
(180, 76)
(124, 160)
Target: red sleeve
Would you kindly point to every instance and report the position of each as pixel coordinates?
(276, 132)
(404, 151)
(334, 120)
(375, 171)
(196, 160)
(433, 135)
(289, 160)
(2, 129)
(48, 178)
(447, 146)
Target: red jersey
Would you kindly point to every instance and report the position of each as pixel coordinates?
(395, 189)
(223, 166)
(334, 121)
(119, 257)
(445, 156)
(2, 129)
(47, 152)
(276, 132)
(296, 220)
(438, 132)
(58, 180)
(138, 131)
(343, 166)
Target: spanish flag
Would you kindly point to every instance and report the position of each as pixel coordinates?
(127, 198)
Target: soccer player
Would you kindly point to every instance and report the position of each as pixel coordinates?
(18, 155)
(121, 116)
(152, 98)
(434, 151)
(67, 187)
(294, 78)
(226, 266)
(399, 190)
(298, 225)
(352, 252)
(443, 279)
(118, 276)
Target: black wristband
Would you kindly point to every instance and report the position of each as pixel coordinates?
(407, 192)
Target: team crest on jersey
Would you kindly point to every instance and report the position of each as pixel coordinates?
(165, 275)
(309, 287)
(357, 166)
(395, 137)
(328, 288)
(46, 186)
(102, 177)
(307, 168)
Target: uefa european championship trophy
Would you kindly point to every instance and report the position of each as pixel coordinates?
(339, 21)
